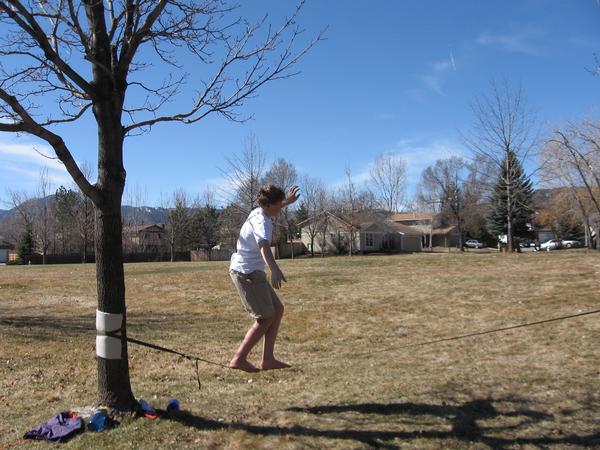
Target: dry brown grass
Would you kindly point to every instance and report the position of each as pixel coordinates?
(351, 386)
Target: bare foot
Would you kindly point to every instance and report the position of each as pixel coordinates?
(273, 364)
(243, 365)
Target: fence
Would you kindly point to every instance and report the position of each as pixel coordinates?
(286, 250)
(77, 258)
(210, 255)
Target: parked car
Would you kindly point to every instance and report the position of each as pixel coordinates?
(526, 243)
(552, 244)
(570, 243)
(474, 243)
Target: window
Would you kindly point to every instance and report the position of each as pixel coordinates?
(369, 239)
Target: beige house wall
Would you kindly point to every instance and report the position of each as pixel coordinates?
(399, 242)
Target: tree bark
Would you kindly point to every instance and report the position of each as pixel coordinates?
(114, 388)
(509, 230)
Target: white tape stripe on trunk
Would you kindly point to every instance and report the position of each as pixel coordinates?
(108, 347)
(108, 322)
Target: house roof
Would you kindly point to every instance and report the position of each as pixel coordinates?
(5, 245)
(417, 215)
(443, 230)
(139, 228)
(388, 226)
(403, 229)
(371, 221)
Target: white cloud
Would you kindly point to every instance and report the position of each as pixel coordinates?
(28, 160)
(445, 64)
(418, 154)
(439, 69)
(524, 40)
(433, 83)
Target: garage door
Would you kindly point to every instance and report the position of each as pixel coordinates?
(411, 243)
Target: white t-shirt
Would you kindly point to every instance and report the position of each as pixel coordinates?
(257, 227)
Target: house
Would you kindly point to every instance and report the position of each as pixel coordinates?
(434, 226)
(364, 232)
(543, 234)
(5, 248)
(147, 238)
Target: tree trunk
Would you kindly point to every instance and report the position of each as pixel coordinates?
(84, 254)
(509, 230)
(461, 245)
(587, 233)
(114, 389)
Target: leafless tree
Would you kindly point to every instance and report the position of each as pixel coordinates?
(348, 202)
(244, 175)
(388, 177)
(85, 216)
(504, 130)
(283, 174)
(571, 159)
(445, 183)
(209, 196)
(136, 197)
(314, 200)
(178, 221)
(22, 203)
(42, 223)
(90, 56)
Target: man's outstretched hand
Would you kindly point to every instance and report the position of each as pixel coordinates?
(292, 195)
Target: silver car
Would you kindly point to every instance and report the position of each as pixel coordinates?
(551, 244)
(474, 243)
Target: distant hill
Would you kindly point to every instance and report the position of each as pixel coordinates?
(544, 196)
(144, 214)
(140, 215)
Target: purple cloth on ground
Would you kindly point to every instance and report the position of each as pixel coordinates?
(59, 428)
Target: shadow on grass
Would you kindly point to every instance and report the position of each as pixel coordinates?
(460, 422)
(43, 326)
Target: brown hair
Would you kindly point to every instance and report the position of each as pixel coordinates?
(269, 195)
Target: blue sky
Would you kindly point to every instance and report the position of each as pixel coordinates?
(391, 76)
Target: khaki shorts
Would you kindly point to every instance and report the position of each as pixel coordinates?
(256, 293)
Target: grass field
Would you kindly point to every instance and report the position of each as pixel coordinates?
(352, 384)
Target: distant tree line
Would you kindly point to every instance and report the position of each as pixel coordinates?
(487, 195)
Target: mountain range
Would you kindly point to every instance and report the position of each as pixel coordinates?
(137, 214)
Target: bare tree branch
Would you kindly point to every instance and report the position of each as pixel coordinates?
(27, 124)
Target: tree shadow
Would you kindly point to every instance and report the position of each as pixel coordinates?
(41, 327)
(452, 422)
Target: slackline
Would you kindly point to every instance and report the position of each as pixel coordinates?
(198, 359)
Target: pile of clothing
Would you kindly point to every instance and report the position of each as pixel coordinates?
(59, 428)
(64, 425)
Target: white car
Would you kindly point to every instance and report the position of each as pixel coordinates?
(551, 244)
(474, 243)
(570, 243)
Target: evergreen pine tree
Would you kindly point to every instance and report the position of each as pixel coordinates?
(207, 219)
(512, 182)
(26, 245)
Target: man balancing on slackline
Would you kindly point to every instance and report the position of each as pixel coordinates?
(247, 270)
